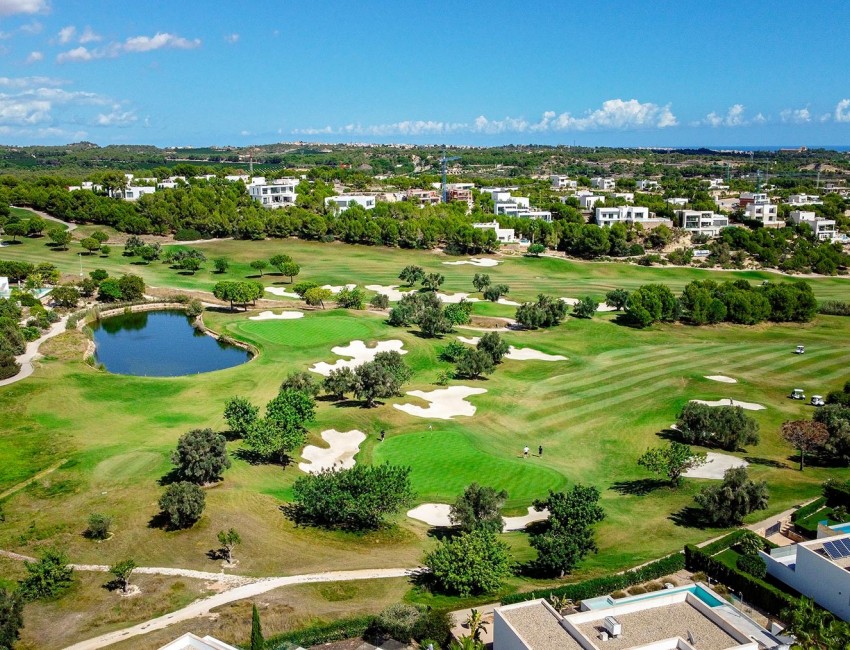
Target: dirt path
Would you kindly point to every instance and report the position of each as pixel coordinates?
(71, 226)
(31, 479)
(259, 586)
(31, 353)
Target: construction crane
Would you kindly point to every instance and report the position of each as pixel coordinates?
(446, 159)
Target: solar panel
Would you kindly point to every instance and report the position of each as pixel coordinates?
(843, 544)
(831, 550)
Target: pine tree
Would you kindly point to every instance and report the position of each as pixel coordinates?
(257, 641)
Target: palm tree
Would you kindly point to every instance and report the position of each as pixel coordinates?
(475, 623)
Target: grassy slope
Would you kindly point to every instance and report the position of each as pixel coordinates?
(593, 414)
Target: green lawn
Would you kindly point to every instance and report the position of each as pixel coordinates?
(594, 415)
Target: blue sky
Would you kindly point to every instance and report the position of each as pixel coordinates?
(608, 72)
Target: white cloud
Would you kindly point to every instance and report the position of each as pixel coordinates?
(133, 44)
(32, 28)
(796, 116)
(21, 111)
(734, 117)
(66, 34)
(11, 7)
(89, 36)
(116, 118)
(30, 82)
(35, 57)
(826, 117)
(159, 40)
(842, 111)
(614, 114)
(81, 53)
(232, 38)
(244, 133)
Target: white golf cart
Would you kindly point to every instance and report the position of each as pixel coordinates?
(801, 349)
(817, 400)
(797, 393)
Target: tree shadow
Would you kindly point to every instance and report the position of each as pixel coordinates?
(160, 520)
(638, 487)
(671, 435)
(624, 320)
(441, 533)
(215, 554)
(172, 476)
(112, 585)
(351, 403)
(251, 457)
(767, 462)
(690, 517)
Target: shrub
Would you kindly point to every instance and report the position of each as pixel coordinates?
(380, 301)
(397, 621)
(99, 526)
(453, 352)
(48, 577)
(834, 308)
(194, 308)
(434, 625)
(470, 563)
(753, 565)
(182, 504)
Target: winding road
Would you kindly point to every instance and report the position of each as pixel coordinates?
(31, 353)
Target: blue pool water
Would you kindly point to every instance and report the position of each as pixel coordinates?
(700, 592)
(840, 528)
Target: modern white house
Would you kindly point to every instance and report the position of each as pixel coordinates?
(588, 201)
(804, 199)
(717, 184)
(533, 213)
(345, 201)
(5, 289)
(702, 221)
(819, 569)
(752, 197)
(191, 641)
(647, 185)
(824, 229)
(279, 194)
(233, 178)
(766, 213)
(603, 183)
(135, 192)
(606, 217)
(504, 235)
(626, 196)
(683, 618)
(563, 182)
(677, 200)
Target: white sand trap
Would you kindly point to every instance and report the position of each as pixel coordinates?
(284, 315)
(475, 261)
(391, 291)
(518, 354)
(437, 514)
(722, 378)
(334, 289)
(748, 406)
(433, 514)
(445, 403)
(519, 523)
(280, 291)
(716, 466)
(601, 307)
(510, 303)
(359, 354)
(343, 446)
(456, 297)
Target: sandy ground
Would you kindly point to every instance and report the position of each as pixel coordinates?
(359, 354)
(343, 445)
(445, 403)
(337, 289)
(280, 291)
(391, 291)
(602, 305)
(284, 315)
(31, 353)
(722, 378)
(475, 261)
(518, 354)
(716, 466)
(749, 406)
(510, 303)
(437, 514)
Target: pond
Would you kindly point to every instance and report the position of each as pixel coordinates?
(160, 344)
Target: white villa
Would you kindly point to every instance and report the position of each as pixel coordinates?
(683, 618)
(505, 203)
(345, 201)
(589, 201)
(703, 222)
(717, 184)
(819, 569)
(648, 185)
(677, 200)
(804, 199)
(278, 194)
(135, 192)
(766, 213)
(504, 235)
(822, 228)
(606, 217)
(603, 183)
(563, 182)
(191, 641)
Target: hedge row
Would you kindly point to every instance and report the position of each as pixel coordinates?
(837, 493)
(809, 509)
(723, 543)
(761, 594)
(607, 584)
(834, 308)
(318, 633)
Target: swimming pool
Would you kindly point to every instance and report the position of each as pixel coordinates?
(839, 528)
(699, 591)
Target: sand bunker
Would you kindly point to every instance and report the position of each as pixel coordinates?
(475, 261)
(518, 354)
(749, 406)
(280, 291)
(456, 297)
(716, 466)
(445, 403)
(359, 354)
(601, 307)
(519, 523)
(505, 301)
(722, 378)
(437, 514)
(433, 514)
(334, 289)
(343, 446)
(284, 315)
(391, 291)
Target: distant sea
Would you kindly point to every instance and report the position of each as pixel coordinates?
(840, 147)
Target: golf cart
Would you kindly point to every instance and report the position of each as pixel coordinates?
(817, 400)
(797, 393)
(801, 349)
